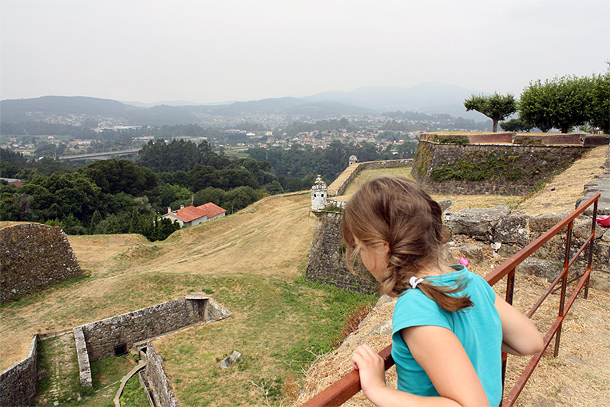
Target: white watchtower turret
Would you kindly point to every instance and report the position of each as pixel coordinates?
(319, 195)
(353, 160)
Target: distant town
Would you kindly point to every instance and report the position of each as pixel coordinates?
(57, 136)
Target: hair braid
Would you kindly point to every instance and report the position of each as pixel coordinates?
(395, 210)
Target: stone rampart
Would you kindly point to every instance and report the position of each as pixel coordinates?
(489, 168)
(34, 257)
(549, 139)
(510, 231)
(339, 186)
(326, 259)
(157, 380)
(592, 140)
(546, 139)
(18, 384)
(112, 336)
(84, 366)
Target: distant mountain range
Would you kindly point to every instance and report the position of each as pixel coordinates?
(424, 98)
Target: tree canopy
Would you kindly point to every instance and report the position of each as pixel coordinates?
(497, 107)
(560, 103)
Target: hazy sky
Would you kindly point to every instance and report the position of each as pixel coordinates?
(221, 50)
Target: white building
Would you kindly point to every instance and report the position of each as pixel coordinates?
(319, 195)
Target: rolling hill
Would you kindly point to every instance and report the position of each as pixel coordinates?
(425, 98)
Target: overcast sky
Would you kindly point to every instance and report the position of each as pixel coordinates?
(224, 50)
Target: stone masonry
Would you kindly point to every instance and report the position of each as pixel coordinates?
(34, 257)
(157, 380)
(511, 169)
(18, 384)
(326, 259)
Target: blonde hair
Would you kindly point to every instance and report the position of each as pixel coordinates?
(397, 211)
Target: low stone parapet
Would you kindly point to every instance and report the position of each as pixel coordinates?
(18, 384)
(157, 379)
(84, 367)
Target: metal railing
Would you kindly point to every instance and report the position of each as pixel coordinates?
(346, 387)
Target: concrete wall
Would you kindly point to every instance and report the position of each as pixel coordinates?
(34, 257)
(18, 384)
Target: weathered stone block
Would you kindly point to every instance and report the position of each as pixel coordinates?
(475, 222)
(34, 257)
(541, 223)
(540, 268)
(513, 229)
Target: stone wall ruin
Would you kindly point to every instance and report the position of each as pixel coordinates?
(18, 384)
(114, 336)
(34, 257)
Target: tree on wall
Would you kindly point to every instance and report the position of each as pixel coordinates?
(560, 103)
(515, 125)
(497, 107)
(600, 107)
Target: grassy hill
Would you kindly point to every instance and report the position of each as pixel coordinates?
(251, 263)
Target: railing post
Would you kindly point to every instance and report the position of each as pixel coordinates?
(564, 285)
(590, 259)
(510, 289)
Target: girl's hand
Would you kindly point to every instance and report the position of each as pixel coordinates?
(371, 368)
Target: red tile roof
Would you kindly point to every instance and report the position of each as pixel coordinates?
(190, 213)
(211, 209)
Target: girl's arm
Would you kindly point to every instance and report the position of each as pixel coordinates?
(441, 355)
(519, 334)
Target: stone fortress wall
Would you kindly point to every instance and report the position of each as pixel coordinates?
(34, 257)
(509, 231)
(114, 336)
(19, 383)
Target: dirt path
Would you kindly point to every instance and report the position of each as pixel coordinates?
(561, 193)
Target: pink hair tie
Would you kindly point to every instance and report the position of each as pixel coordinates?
(414, 281)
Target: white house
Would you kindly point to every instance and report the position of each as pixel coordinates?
(194, 215)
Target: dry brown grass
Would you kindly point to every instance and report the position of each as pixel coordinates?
(271, 238)
(127, 272)
(579, 376)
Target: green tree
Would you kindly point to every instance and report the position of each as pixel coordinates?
(171, 193)
(95, 219)
(65, 194)
(114, 176)
(599, 115)
(560, 103)
(274, 188)
(497, 107)
(239, 198)
(515, 125)
(209, 194)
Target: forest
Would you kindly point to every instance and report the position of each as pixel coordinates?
(123, 196)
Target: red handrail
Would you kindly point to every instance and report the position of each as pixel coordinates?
(346, 387)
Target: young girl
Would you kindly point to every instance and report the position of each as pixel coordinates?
(449, 327)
